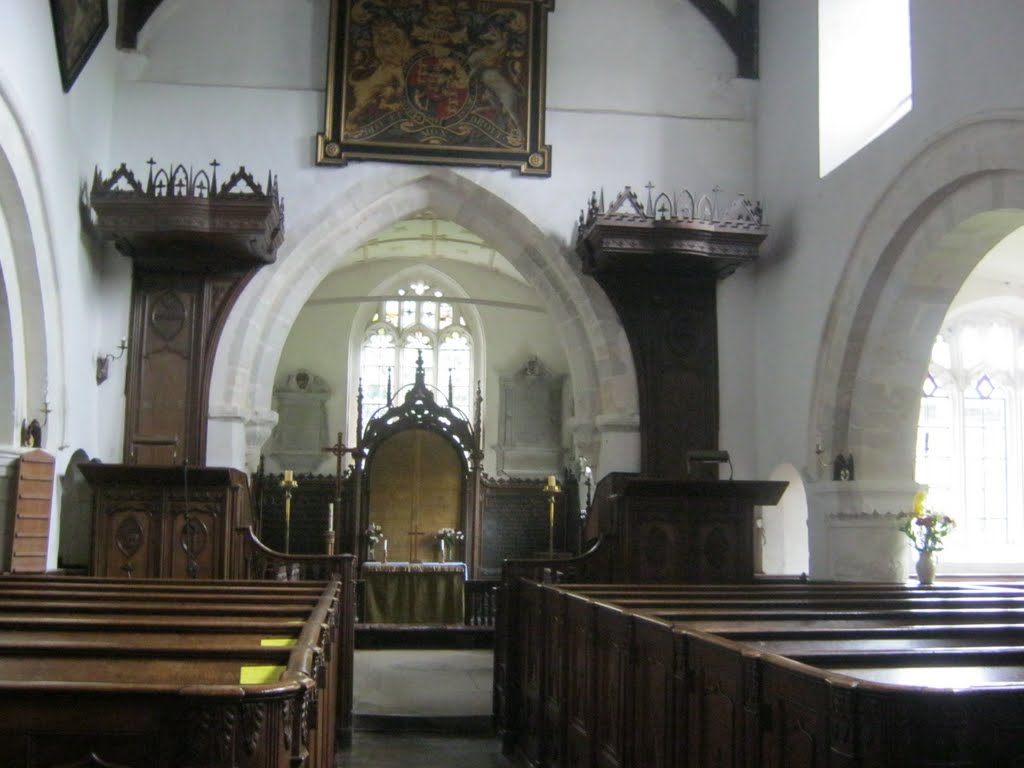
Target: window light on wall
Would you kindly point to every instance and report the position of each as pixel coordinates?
(865, 83)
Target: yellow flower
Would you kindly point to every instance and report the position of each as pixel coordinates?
(919, 498)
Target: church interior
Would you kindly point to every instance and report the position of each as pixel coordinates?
(659, 360)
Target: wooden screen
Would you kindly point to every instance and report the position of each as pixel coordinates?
(415, 485)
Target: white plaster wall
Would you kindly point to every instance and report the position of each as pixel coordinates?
(51, 142)
(815, 222)
(637, 92)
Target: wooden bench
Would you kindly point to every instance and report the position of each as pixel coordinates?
(135, 673)
(781, 675)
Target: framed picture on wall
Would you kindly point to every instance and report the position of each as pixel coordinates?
(456, 82)
(78, 26)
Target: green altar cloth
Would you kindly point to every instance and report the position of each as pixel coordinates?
(414, 593)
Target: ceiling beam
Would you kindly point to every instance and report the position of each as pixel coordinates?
(739, 30)
(132, 16)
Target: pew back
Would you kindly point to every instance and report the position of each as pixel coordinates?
(155, 674)
(791, 674)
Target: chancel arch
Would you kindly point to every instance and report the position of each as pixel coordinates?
(958, 198)
(598, 357)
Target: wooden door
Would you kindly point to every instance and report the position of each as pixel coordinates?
(31, 530)
(416, 485)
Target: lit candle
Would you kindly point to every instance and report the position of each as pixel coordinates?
(330, 517)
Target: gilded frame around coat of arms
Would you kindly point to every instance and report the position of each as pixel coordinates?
(456, 82)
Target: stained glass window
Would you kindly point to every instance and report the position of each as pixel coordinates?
(418, 321)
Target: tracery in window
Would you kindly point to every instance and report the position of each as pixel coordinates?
(969, 440)
(420, 320)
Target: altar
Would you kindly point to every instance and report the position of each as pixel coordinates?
(414, 593)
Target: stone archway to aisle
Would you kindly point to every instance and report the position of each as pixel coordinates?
(952, 203)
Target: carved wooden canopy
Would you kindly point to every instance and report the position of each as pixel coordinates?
(181, 219)
(419, 409)
(680, 231)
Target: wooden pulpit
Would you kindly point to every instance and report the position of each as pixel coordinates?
(166, 522)
(680, 531)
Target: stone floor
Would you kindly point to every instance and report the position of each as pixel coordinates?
(413, 750)
(423, 708)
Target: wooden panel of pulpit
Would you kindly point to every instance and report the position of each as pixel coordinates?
(681, 531)
(161, 522)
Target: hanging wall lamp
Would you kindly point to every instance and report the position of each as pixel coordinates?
(103, 362)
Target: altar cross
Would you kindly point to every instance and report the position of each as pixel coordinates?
(339, 450)
(414, 535)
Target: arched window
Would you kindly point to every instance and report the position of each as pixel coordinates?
(419, 320)
(969, 442)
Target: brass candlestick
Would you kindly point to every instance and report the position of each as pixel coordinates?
(288, 484)
(552, 490)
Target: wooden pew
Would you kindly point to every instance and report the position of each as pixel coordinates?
(779, 675)
(151, 673)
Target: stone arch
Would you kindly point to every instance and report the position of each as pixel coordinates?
(31, 339)
(27, 275)
(600, 363)
(949, 206)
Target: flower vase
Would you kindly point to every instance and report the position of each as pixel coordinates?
(926, 568)
(370, 554)
(444, 553)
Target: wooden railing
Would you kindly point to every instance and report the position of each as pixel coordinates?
(481, 602)
(264, 563)
(261, 563)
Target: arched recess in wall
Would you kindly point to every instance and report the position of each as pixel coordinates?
(928, 231)
(783, 528)
(600, 363)
(76, 500)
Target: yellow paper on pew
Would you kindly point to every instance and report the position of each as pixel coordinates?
(262, 673)
(278, 642)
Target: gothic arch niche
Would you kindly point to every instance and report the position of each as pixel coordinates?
(76, 499)
(420, 474)
(953, 203)
(604, 390)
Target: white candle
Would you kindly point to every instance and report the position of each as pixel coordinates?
(330, 517)
(551, 481)
(385, 550)
(287, 475)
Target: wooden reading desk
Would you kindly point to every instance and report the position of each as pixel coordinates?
(414, 593)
